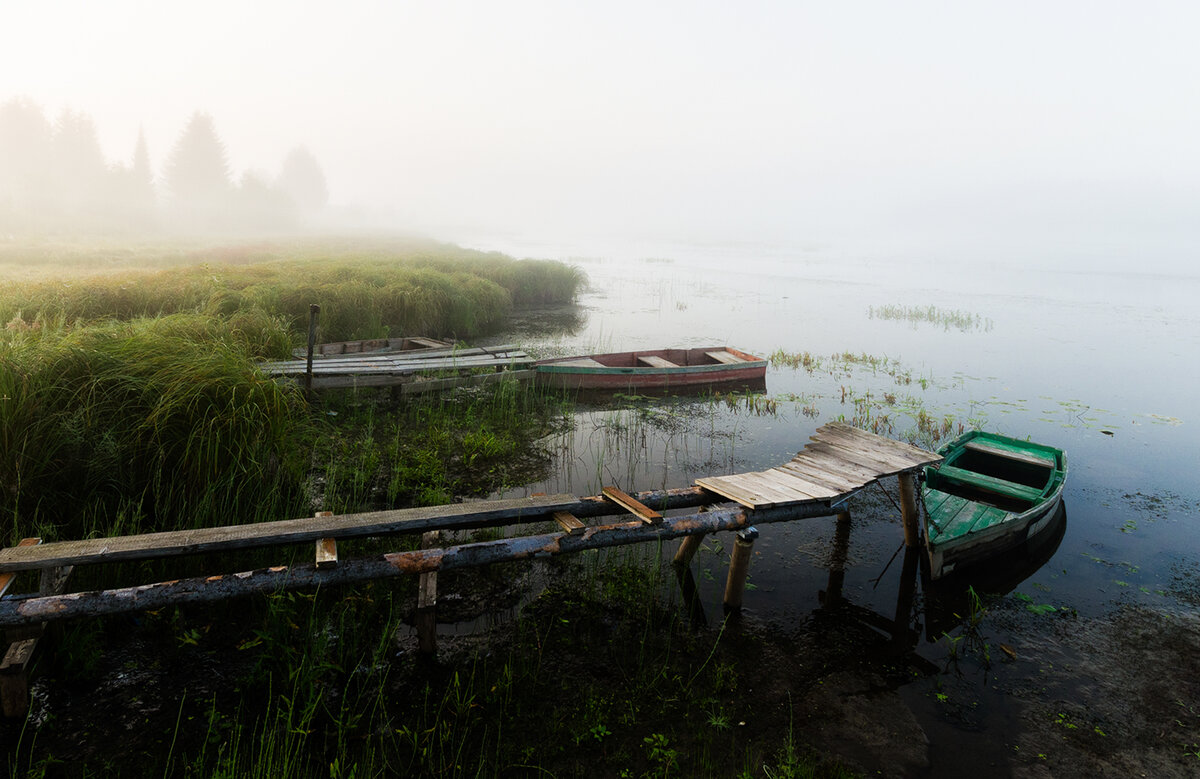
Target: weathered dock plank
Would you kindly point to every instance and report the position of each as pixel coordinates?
(287, 531)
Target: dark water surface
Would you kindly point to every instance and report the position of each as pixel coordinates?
(1101, 364)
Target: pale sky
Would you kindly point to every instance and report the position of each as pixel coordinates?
(919, 123)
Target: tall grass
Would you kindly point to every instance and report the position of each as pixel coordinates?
(361, 295)
(170, 413)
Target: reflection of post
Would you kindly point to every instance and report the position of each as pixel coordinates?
(739, 567)
(908, 509)
(837, 560)
(904, 598)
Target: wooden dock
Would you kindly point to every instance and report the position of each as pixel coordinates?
(406, 367)
(839, 461)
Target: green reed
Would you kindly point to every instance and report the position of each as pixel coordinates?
(431, 290)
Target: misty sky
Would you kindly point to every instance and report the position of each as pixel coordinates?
(920, 124)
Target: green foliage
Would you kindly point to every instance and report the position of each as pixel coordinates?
(164, 417)
(416, 290)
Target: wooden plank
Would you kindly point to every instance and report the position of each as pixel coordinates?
(898, 447)
(14, 681)
(654, 361)
(827, 461)
(805, 484)
(772, 490)
(875, 449)
(725, 357)
(6, 579)
(851, 451)
(727, 487)
(632, 504)
(1032, 458)
(818, 475)
(569, 523)
(327, 556)
(287, 531)
(792, 486)
(990, 483)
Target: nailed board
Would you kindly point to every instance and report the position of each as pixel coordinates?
(840, 461)
(180, 542)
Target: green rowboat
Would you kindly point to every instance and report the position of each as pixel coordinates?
(990, 493)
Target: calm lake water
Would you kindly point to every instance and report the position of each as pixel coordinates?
(1102, 364)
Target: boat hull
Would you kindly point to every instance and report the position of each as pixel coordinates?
(990, 494)
(637, 371)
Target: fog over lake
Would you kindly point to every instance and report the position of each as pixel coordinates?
(1021, 132)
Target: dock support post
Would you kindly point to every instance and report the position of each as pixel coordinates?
(687, 550)
(425, 619)
(908, 509)
(739, 568)
(837, 560)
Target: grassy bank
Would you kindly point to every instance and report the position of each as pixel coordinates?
(130, 401)
(364, 290)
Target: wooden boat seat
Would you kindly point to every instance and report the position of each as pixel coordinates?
(999, 486)
(581, 362)
(724, 357)
(655, 361)
(1032, 458)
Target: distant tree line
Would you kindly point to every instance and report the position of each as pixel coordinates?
(54, 177)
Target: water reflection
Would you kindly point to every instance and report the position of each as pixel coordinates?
(946, 603)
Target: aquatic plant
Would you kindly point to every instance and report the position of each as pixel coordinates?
(914, 315)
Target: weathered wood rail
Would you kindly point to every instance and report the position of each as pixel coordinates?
(839, 462)
(366, 369)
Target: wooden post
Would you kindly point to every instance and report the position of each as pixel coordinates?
(687, 550)
(908, 509)
(313, 311)
(739, 568)
(425, 619)
(837, 560)
(14, 668)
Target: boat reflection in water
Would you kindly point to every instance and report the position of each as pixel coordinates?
(945, 601)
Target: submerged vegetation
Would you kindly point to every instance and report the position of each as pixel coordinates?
(915, 315)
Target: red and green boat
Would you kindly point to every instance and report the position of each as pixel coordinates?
(989, 493)
(654, 370)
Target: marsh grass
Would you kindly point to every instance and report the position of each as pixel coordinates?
(963, 321)
(364, 292)
(167, 414)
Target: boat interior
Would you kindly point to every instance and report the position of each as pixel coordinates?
(1013, 481)
(663, 358)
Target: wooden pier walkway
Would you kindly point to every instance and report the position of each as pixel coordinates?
(839, 462)
(402, 367)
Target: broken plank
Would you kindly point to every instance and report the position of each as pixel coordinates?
(632, 504)
(327, 555)
(569, 522)
(6, 579)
